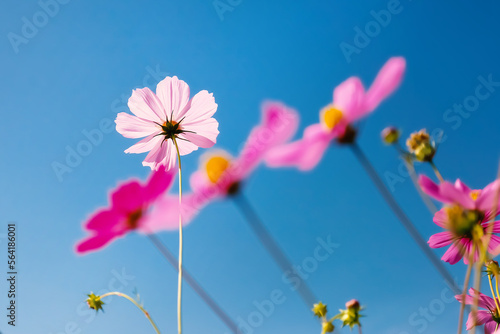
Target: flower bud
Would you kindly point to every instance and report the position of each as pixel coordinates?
(328, 327)
(95, 302)
(421, 146)
(390, 135)
(352, 304)
(350, 317)
(319, 310)
(492, 268)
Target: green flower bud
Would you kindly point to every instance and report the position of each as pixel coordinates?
(95, 302)
(492, 268)
(390, 135)
(320, 310)
(328, 327)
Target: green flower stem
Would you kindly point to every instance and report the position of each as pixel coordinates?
(179, 284)
(436, 171)
(119, 294)
(464, 292)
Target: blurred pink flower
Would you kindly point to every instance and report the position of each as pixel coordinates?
(220, 174)
(489, 318)
(465, 209)
(350, 103)
(166, 115)
(130, 209)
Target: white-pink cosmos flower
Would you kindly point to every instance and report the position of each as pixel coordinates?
(167, 115)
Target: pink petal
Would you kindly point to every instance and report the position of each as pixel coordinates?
(452, 255)
(159, 182)
(131, 126)
(145, 145)
(348, 98)
(161, 155)
(487, 197)
(279, 123)
(482, 317)
(441, 239)
(105, 220)
(490, 326)
(446, 192)
(441, 218)
(202, 107)
(205, 133)
(387, 81)
(128, 197)
(494, 245)
(462, 187)
(95, 243)
(174, 95)
(146, 105)
(484, 301)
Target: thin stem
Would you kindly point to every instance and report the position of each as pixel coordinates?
(360, 331)
(194, 284)
(436, 171)
(403, 218)
(272, 247)
(179, 283)
(496, 284)
(477, 287)
(493, 293)
(464, 292)
(413, 175)
(136, 304)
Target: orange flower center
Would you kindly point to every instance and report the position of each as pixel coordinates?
(474, 194)
(215, 167)
(331, 116)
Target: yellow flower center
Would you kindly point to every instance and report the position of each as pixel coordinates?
(462, 222)
(331, 116)
(474, 194)
(215, 167)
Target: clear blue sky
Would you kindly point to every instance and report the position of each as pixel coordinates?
(70, 74)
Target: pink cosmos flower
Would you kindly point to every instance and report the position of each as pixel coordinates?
(489, 318)
(465, 208)
(220, 174)
(166, 115)
(130, 209)
(350, 103)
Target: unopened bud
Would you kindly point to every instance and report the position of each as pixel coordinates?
(390, 135)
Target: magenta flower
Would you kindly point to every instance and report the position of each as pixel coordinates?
(489, 318)
(465, 209)
(350, 103)
(166, 115)
(130, 210)
(220, 174)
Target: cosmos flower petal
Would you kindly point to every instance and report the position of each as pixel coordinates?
(279, 123)
(146, 105)
(161, 155)
(202, 107)
(445, 192)
(174, 95)
(490, 325)
(452, 255)
(387, 81)
(128, 197)
(441, 239)
(348, 98)
(131, 126)
(95, 242)
(462, 186)
(487, 197)
(164, 215)
(104, 220)
(159, 182)
(145, 145)
(494, 245)
(441, 218)
(185, 146)
(204, 134)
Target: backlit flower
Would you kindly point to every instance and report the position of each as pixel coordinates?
(489, 317)
(350, 103)
(129, 210)
(167, 115)
(466, 215)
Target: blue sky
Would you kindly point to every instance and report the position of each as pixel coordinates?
(72, 74)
